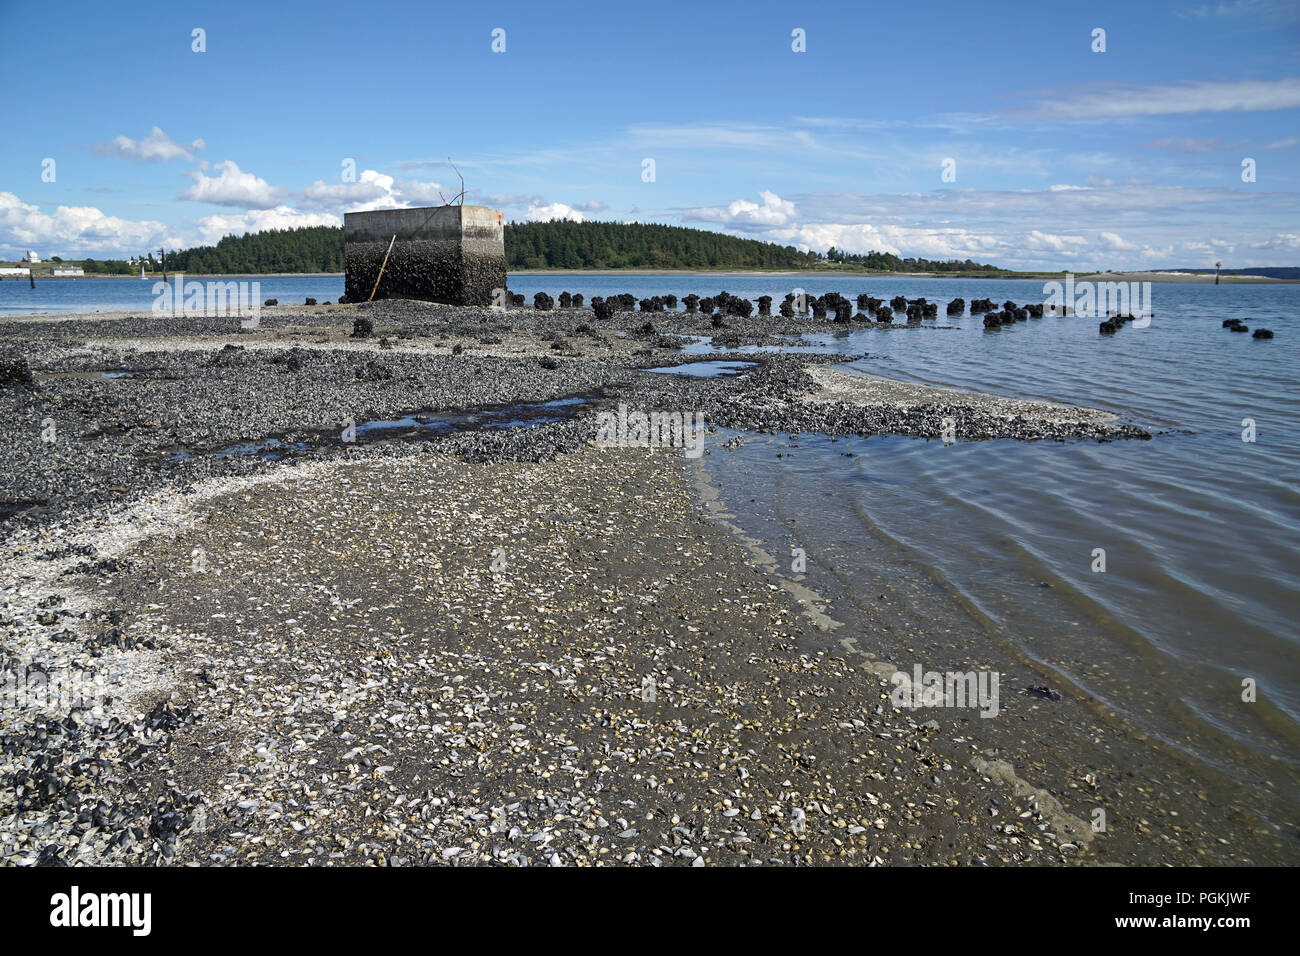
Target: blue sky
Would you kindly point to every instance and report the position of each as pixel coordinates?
(1061, 157)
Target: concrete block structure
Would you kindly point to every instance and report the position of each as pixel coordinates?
(450, 254)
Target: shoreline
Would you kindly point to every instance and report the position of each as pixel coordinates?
(317, 593)
(891, 611)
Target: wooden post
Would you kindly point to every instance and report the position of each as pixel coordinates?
(382, 266)
(31, 277)
(163, 252)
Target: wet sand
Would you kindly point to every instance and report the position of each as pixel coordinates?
(838, 385)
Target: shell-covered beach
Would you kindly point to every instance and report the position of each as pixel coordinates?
(316, 598)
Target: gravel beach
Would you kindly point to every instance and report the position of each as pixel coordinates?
(287, 596)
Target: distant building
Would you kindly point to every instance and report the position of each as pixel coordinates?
(32, 257)
(13, 273)
(67, 271)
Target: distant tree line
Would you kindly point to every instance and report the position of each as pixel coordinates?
(305, 249)
(563, 244)
(888, 262)
(558, 244)
(107, 267)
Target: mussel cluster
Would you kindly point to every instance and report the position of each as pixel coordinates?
(1114, 324)
(1239, 325)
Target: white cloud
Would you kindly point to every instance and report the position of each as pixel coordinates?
(1049, 242)
(233, 187)
(772, 211)
(426, 194)
(1288, 242)
(536, 208)
(372, 190)
(156, 146)
(1284, 143)
(1154, 207)
(213, 228)
(538, 212)
(1116, 225)
(931, 242)
(1030, 249)
(72, 229)
(1164, 253)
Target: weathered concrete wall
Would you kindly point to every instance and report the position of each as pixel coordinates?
(451, 254)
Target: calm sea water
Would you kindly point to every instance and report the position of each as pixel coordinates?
(121, 295)
(1201, 530)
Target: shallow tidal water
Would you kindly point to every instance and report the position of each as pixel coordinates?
(1201, 587)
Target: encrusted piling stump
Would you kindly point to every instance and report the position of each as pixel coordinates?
(450, 254)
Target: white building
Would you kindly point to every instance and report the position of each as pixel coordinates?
(32, 257)
(67, 271)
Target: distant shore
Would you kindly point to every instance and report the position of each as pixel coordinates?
(1167, 277)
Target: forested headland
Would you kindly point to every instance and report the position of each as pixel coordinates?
(558, 244)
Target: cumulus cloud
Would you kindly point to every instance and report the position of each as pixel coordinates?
(73, 229)
(539, 212)
(1050, 242)
(1286, 242)
(213, 228)
(1085, 209)
(233, 187)
(771, 211)
(1104, 224)
(154, 147)
(537, 209)
(930, 242)
(415, 191)
(372, 190)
